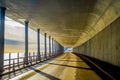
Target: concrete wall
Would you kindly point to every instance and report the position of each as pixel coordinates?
(105, 45)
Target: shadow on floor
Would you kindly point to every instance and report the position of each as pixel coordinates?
(13, 74)
(71, 66)
(112, 70)
(70, 60)
(45, 74)
(23, 70)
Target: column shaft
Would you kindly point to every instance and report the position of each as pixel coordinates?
(26, 42)
(38, 44)
(52, 46)
(2, 25)
(49, 46)
(45, 46)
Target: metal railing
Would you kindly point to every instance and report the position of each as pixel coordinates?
(17, 63)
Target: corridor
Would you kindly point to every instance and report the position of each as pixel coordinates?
(46, 29)
(68, 66)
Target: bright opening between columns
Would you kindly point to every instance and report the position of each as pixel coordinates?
(68, 49)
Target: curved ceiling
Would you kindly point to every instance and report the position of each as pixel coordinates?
(70, 22)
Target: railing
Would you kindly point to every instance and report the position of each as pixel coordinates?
(19, 62)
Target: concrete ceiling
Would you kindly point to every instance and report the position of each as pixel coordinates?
(70, 22)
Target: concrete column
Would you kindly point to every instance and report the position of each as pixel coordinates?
(2, 20)
(55, 47)
(60, 49)
(49, 46)
(26, 42)
(45, 45)
(52, 47)
(38, 44)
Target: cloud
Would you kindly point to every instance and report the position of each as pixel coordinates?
(15, 37)
(13, 42)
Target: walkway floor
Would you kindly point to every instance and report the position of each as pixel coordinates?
(66, 67)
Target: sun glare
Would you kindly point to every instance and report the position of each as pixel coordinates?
(12, 22)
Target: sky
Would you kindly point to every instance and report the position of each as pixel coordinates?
(15, 39)
(68, 49)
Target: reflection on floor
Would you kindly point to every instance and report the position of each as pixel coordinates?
(68, 66)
